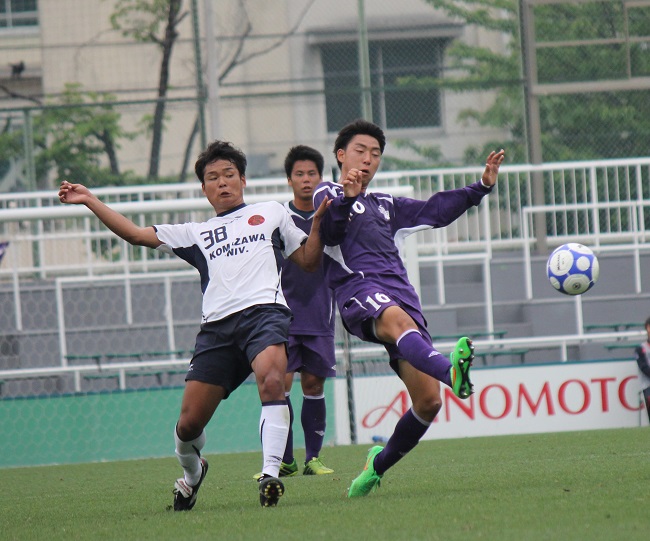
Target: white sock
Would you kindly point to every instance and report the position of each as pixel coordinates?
(189, 456)
(274, 429)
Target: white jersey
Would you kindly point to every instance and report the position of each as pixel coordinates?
(238, 255)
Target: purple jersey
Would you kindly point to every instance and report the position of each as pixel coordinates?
(363, 235)
(307, 293)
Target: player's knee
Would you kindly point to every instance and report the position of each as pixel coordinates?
(188, 428)
(271, 387)
(313, 386)
(428, 407)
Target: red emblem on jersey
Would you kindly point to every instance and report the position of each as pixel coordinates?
(256, 220)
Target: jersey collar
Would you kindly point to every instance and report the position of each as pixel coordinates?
(229, 211)
(305, 214)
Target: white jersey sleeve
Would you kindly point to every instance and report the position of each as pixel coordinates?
(292, 235)
(177, 235)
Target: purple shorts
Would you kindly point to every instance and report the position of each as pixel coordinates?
(314, 354)
(359, 313)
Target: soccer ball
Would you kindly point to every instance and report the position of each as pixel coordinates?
(572, 269)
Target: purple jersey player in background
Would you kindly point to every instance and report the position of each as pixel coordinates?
(362, 232)
(311, 334)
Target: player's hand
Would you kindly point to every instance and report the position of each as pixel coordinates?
(352, 183)
(73, 193)
(492, 164)
(322, 208)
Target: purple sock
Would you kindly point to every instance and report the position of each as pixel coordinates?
(288, 450)
(407, 434)
(423, 356)
(313, 419)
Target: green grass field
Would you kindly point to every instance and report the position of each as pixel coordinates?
(564, 486)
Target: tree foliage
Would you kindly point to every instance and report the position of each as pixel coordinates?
(152, 21)
(574, 126)
(75, 137)
(427, 157)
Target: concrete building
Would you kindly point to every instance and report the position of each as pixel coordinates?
(277, 73)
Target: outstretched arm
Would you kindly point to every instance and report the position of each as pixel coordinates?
(444, 207)
(78, 194)
(309, 255)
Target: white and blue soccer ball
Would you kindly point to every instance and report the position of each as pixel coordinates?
(572, 269)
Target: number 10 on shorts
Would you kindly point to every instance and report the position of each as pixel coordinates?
(377, 300)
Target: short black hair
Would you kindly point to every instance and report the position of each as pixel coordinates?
(303, 152)
(647, 322)
(358, 127)
(220, 150)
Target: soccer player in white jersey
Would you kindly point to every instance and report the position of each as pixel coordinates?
(311, 333)
(245, 320)
(362, 232)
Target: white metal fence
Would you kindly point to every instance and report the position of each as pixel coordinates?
(47, 239)
(604, 204)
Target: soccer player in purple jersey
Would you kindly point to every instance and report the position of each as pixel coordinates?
(362, 232)
(245, 322)
(311, 333)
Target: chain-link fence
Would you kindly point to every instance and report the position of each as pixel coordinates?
(122, 92)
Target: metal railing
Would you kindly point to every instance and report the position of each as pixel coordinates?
(359, 353)
(39, 228)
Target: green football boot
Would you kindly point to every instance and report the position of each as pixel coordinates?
(286, 470)
(289, 470)
(461, 362)
(316, 467)
(368, 480)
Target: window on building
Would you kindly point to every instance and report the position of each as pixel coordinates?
(17, 13)
(398, 69)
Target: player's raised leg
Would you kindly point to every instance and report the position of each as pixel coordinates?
(413, 343)
(200, 401)
(461, 362)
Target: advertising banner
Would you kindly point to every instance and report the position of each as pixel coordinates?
(507, 400)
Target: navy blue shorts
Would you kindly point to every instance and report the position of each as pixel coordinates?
(359, 313)
(314, 354)
(225, 349)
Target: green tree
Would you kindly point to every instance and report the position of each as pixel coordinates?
(574, 126)
(152, 21)
(426, 157)
(480, 68)
(74, 137)
(600, 124)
